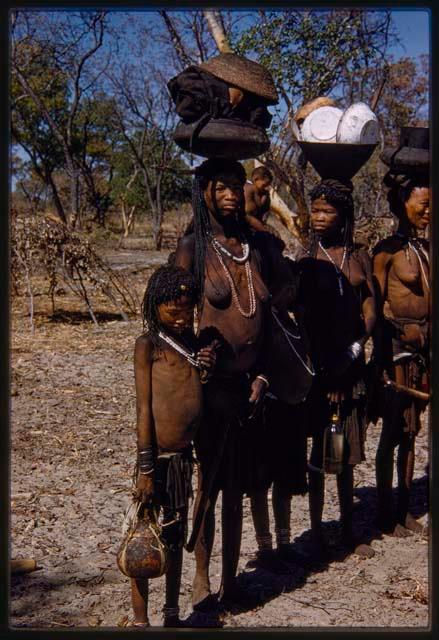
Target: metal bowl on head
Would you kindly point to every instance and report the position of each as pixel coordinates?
(321, 125)
(337, 160)
(358, 125)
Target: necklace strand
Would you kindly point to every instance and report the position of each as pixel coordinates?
(416, 252)
(244, 246)
(251, 292)
(189, 355)
(339, 269)
(287, 336)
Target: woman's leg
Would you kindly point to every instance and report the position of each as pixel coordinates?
(139, 600)
(345, 488)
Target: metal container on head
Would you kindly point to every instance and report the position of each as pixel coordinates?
(337, 160)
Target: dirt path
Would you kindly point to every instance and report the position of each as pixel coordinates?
(73, 447)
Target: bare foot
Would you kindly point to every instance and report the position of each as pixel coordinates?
(401, 532)
(413, 525)
(319, 548)
(267, 560)
(174, 622)
(236, 596)
(385, 524)
(138, 623)
(364, 551)
(202, 599)
(287, 554)
(359, 548)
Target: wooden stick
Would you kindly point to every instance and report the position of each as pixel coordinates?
(379, 90)
(23, 565)
(415, 393)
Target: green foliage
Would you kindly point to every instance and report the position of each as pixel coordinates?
(309, 53)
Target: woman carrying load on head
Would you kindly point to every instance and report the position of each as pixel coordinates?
(235, 268)
(339, 299)
(401, 339)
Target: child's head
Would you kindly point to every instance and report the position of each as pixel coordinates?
(262, 178)
(169, 300)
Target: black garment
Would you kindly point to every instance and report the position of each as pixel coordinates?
(173, 490)
(278, 448)
(197, 93)
(224, 431)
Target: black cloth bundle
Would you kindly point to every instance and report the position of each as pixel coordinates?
(197, 93)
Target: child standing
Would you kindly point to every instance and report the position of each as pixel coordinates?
(169, 371)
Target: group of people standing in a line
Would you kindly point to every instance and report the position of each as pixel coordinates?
(278, 353)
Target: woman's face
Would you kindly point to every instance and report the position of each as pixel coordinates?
(325, 218)
(177, 315)
(224, 195)
(417, 207)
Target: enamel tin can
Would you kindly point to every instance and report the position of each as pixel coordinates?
(321, 125)
(358, 125)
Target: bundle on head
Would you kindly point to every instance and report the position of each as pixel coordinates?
(208, 171)
(400, 187)
(166, 283)
(339, 195)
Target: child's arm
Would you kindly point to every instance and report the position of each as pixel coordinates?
(145, 422)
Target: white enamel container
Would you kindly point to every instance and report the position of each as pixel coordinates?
(358, 125)
(321, 125)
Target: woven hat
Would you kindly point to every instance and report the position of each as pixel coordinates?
(413, 153)
(243, 73)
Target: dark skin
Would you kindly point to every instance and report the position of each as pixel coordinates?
(160, 377)
(402, 293)
(332, 327)
(257, 202)
(243, 342)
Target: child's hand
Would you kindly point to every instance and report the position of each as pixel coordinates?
(145, 488)
(207, 356)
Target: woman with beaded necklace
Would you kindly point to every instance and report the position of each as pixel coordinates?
(339, 300)
(401, 343)
(234, 268)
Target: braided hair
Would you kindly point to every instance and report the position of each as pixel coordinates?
(202, 228)
(167, 283)
(400, 187)
(339, 195)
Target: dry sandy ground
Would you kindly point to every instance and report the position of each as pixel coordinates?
(73, 449)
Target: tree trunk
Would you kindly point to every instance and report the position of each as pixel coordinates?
(56, 199)
(217, 31)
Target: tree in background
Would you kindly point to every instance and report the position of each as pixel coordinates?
(88, 87)
(313, 53)
(55, 55)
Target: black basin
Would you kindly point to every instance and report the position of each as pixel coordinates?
(223, 138)
(337, 160)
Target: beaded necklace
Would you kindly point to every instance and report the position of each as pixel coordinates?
(338, 269)
(411, 244)
(245, 250)
(189, 355)
(251, 291)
